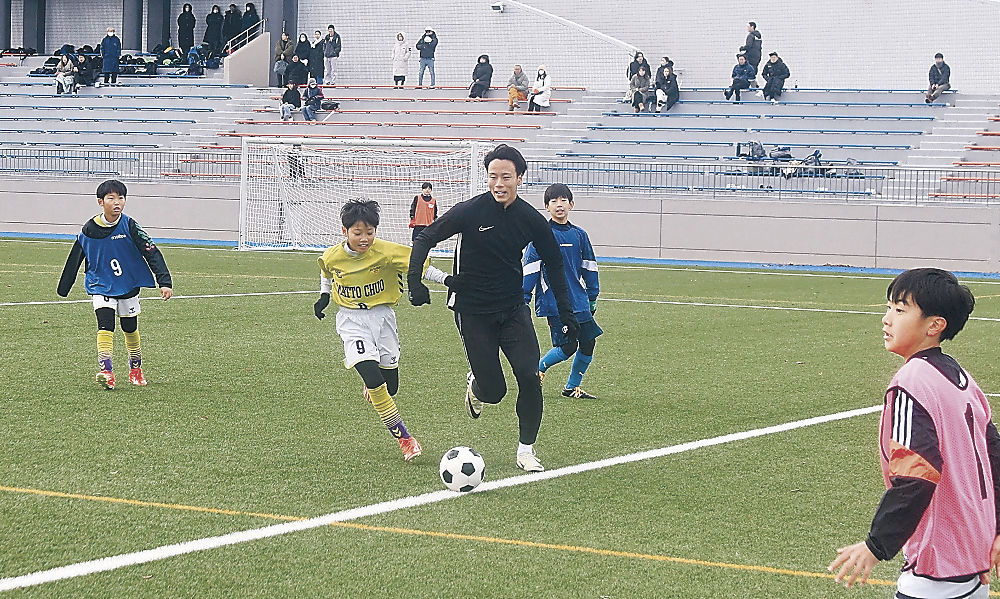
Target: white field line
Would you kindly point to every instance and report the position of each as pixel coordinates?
(620, 300)
(158, 553)
(992, 394)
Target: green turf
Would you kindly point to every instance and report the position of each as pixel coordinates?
(249, 409)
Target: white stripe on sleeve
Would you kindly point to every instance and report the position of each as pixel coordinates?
(533, 267)
(590, 265)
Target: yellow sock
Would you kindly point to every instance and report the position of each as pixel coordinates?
(134, 353)
(105, 348)
(387, 411)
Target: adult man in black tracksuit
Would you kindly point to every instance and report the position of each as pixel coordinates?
(485, 291)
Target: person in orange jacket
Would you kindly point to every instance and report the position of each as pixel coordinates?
(423, 210)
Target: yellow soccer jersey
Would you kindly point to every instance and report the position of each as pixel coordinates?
(374, 278)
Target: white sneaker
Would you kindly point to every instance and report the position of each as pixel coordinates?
(760, 94)
(528, 462)
(472, 404)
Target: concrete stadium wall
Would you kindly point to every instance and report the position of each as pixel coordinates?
(963, 238)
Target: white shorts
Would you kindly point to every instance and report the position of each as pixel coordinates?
(369, 335)
(124, 307)
(911, 585)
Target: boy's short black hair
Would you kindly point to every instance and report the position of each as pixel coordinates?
(505, 152)
(111, 186)
(937, 293)
(360, 210)
(427, 185)
(557, 190)
(939, 55)
(752, 24)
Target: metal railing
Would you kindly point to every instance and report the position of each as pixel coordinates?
(733, 180)
(244, 37)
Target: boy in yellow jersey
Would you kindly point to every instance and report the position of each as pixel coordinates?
(364, 276)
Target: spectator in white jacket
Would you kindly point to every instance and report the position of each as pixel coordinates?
(400, 60)
(541, 91)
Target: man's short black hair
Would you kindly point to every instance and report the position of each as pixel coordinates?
(427, 185)
(505, 152)
(360, 210)
(557, 190)
(111, 186)
(939, 55)
(331, 27)
(937, 293)
(752, 24)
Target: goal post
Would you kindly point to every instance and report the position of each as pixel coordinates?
(292, 189)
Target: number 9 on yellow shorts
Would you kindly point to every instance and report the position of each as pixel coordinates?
(124, 307)
(369, 335)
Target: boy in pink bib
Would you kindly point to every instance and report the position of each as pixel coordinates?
(940, 453)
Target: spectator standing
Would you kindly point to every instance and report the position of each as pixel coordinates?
(232, 24)
(111, 54)
(939, 77)
(541, 91)
(296, 72)
(283, 51)
(316, 57)
(249, 19)
(213, 30)
(185, 28)
(482, 76)
(517, 87)
(639, 88)
(64, 75)
(400, 60)
(332, 46)
(290, 100)
(775, 72)
(312, 100)
(752, 46)
(743, 72)
(427, 45)
(303, 49)
(667, 90)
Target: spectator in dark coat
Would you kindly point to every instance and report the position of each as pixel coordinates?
(312, 100)
(332, 45)
(638, 61)
(667, 90)
(290, 100)
(939, 77)
(775, 72)
(316, 57)
(83, 71)
(185, 28)
(303, 49)
(482, 75)
(232, 24)
(111, 54)
(752, 46)
(296, 72)
(249, 19)
(427, 45)
(743, 72)
(213, 31)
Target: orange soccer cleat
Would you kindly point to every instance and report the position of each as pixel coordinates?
(135, 377)
(106, 379)
(410, 447)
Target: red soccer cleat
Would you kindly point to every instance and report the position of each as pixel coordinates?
(135, 377)
(106, 379)
(410, 447)
(368, 396)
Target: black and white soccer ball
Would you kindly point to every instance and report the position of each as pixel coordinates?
(462, 469)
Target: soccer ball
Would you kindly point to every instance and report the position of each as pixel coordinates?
(462, 469)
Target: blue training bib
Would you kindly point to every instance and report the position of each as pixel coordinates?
(114, 265)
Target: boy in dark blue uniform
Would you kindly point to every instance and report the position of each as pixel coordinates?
(119, 257)
(580, 265)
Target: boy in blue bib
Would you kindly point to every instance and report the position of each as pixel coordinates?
(120, 259)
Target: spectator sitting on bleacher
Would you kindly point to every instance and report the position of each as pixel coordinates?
(232, 24)
(940, 79)
(296, 72)
(482, 76)
(316, 57)
(639, 89)
(752, 47)
(517, 87)
(664, 62)
(312, 100)
(400, 61)
(667, 90)
(185, 28)
(111, 54)
(64, 75)
(213, 30)
(743, 73)
(541, 91)
(303, 49)
(290, 100)
(83, 72)
(633, 69)
(775, 72)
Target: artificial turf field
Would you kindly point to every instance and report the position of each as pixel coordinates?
(250, 417)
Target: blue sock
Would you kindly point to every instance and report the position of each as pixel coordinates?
(552, 358)
(580, 365)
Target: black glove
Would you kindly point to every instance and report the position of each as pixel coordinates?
(571, 328)
(455, 282)
(321, 304)
(419, 293)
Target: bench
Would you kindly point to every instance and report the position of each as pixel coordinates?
(391, 99)
(454, 87)
(817, 103)
(387, 137)
(665, 128)
(725, 144)
(718, 115)
(756, 129)
(390, 124)
(8, 142)
(973, 179)
(87, 132)
(60, 171)
(967, 163)
(133, 108)
(979, 196)
(984, 148)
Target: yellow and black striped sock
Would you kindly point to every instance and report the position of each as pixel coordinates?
(105, 348)
(134, 353)
(387, 411)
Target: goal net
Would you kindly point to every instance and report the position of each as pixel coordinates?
(291, 191)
